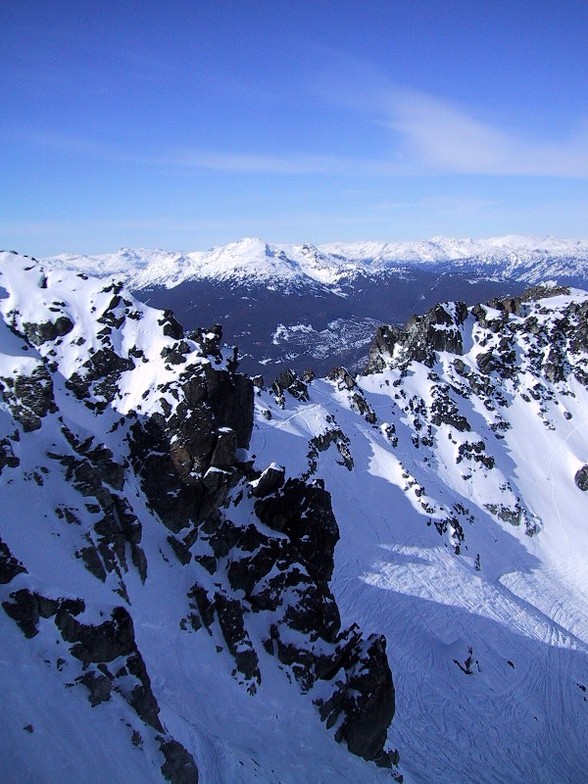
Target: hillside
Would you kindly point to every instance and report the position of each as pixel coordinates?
(203, 579)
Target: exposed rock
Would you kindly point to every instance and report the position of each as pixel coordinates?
(268, 482)
(171, 327)
(28, 608)
(342, 377)
(289, 381)
(304, 513)
(30, 398)
(422, 336)
(581, 478)
(173, 453)
(179, 766)
(98, 685)
(41, 333)
(141, 697)
(322, 442)
(230, 615)
(9, 565)
(365, 698)
(24, 609)
(101, 643)
(223, 455)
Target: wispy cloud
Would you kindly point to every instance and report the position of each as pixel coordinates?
(292, 164)
(188, 159)
(448, 139)
(428, 136)
(250, 163)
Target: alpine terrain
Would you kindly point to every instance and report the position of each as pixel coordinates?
(364, 577)
(302, 306)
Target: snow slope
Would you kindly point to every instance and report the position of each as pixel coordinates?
(455, 469)
(104, 405)
(464, 534)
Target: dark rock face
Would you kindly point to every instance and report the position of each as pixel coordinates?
(44, 332)
(286, 577)
(98, 685)
(289, 381)
(366, 699)
(382, 346)
(9, 565)
(230, 616)
(304, 513)
(581, 478)
(186, 457)
(179, 766)
(102, 643)
(269, 482)
(24, 610)
(30, 398)
(422, 336)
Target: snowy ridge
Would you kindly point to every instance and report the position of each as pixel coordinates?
(253, 261)
(153, 582)
(184, 557)
(249, 260)
(458, 471)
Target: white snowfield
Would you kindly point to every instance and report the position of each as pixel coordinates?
(516, 603)
(472, 560)
(253, 261)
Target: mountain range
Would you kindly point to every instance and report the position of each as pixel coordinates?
(360, 577)
(303, 306)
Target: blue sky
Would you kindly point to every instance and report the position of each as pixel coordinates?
(192, 123)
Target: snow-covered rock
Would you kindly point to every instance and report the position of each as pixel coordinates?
(184, 556)
(165, 592)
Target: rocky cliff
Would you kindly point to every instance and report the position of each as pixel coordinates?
(125, 457)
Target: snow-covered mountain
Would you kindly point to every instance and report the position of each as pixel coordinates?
(306, 307)
(205, 579)
(166, 610)
(252, 261)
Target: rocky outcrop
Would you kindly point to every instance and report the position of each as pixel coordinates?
(9, 565)
(363, 702)
(422, 336)
(289, 381)
(304, 513)
(47, 331)
(29, 397)
(179, 766)
(581, 478)
(185, 455)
